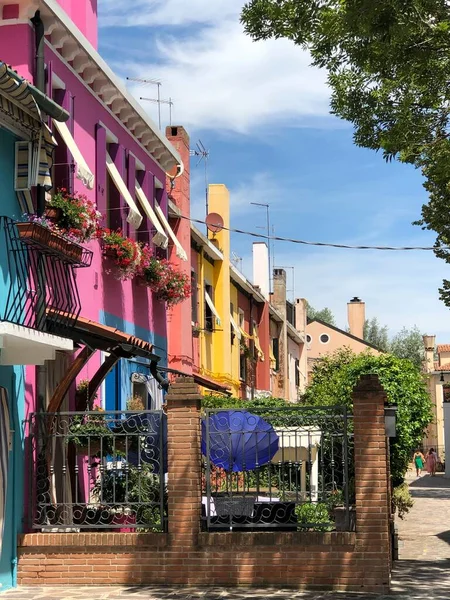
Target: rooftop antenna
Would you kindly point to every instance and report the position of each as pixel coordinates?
(237, 260)
(156, 82)
(293, 280)
(203, 155)
(159, 102)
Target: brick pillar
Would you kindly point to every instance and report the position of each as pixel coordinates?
(371, 484)
(184, 464)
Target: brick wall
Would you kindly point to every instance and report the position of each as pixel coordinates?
(186, 556)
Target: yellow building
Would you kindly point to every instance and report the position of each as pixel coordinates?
(232, 335)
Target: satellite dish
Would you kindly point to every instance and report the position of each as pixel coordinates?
(214, 222)
(175, 171)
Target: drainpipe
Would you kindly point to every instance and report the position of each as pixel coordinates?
(13, 484)
(39, 82)
(164, 383)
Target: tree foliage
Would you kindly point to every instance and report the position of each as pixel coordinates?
(324, 315)
(388, 64)
(408, 343)
(376, 335)
(335, 376)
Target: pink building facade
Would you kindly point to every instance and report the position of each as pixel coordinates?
(104, 122)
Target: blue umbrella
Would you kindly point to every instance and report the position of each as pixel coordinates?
(238, 440)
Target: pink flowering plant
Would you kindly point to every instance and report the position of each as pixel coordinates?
(170, 285)
(125, 252)
(80, 219)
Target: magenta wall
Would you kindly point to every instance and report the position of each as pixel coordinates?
(99, 291)
(103, 297)
(84, 14)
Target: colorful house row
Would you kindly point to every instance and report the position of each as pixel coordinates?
(68, 312)
(235, 336)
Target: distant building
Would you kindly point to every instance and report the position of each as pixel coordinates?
(323, 338)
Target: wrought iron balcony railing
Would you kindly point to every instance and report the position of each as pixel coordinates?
(288, 469)
(98, 470)
(36, 279)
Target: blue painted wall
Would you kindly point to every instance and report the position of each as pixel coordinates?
(118, 382)
(11, 378)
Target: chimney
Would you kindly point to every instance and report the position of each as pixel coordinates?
(356, 310)
(261, 268)
(429, 342)
(300, 315)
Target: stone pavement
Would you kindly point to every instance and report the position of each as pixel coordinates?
(422, 573)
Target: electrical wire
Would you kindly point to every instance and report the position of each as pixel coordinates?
(320, 244)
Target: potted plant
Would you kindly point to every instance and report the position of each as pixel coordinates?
(135, 404)
(91, 434)
(166, 282)
(82, 395)
(42, 232)
(74, 215)
(35, 229)
(125, 253)
(196, 330)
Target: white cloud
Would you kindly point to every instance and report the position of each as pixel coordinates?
(218, 78)
(120, 13)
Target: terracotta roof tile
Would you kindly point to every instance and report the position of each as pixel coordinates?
(445, 367)
(443, 348)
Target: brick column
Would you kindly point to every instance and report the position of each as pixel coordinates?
(371, 484)
(184, 464)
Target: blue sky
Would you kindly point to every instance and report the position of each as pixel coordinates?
(262, 112)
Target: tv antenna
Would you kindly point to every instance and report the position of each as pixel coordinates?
(156, 82)
(237, 260)
(158, 101)
(203, 155)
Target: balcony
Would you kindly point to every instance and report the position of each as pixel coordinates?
(98, 471)
(38, 276)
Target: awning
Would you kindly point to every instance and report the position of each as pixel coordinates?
(210, 303)
(210, 384)
(181, 253)
(17, 105)
(102, 337)
(235, 327)
(273, 360)
(83, 172)
(33, 162)
(160, 238)
(258, 348)
(134, 216)
(244, 334)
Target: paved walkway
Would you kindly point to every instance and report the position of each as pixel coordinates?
(422, 573)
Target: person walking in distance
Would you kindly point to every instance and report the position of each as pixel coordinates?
(419, 461)
(431, 461)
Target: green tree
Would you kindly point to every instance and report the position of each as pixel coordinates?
(389, 70)
(324, 315)
(408, 343)
(376, 335)
(335, 376)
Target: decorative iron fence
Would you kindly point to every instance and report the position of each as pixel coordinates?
(290, 469)
(36, 282)
(98, 470)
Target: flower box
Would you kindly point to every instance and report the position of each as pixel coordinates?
(33, 232)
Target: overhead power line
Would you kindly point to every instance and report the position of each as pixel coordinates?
(320, 244)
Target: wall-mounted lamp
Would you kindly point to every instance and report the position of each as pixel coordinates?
(390, 420)
(442, 379)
